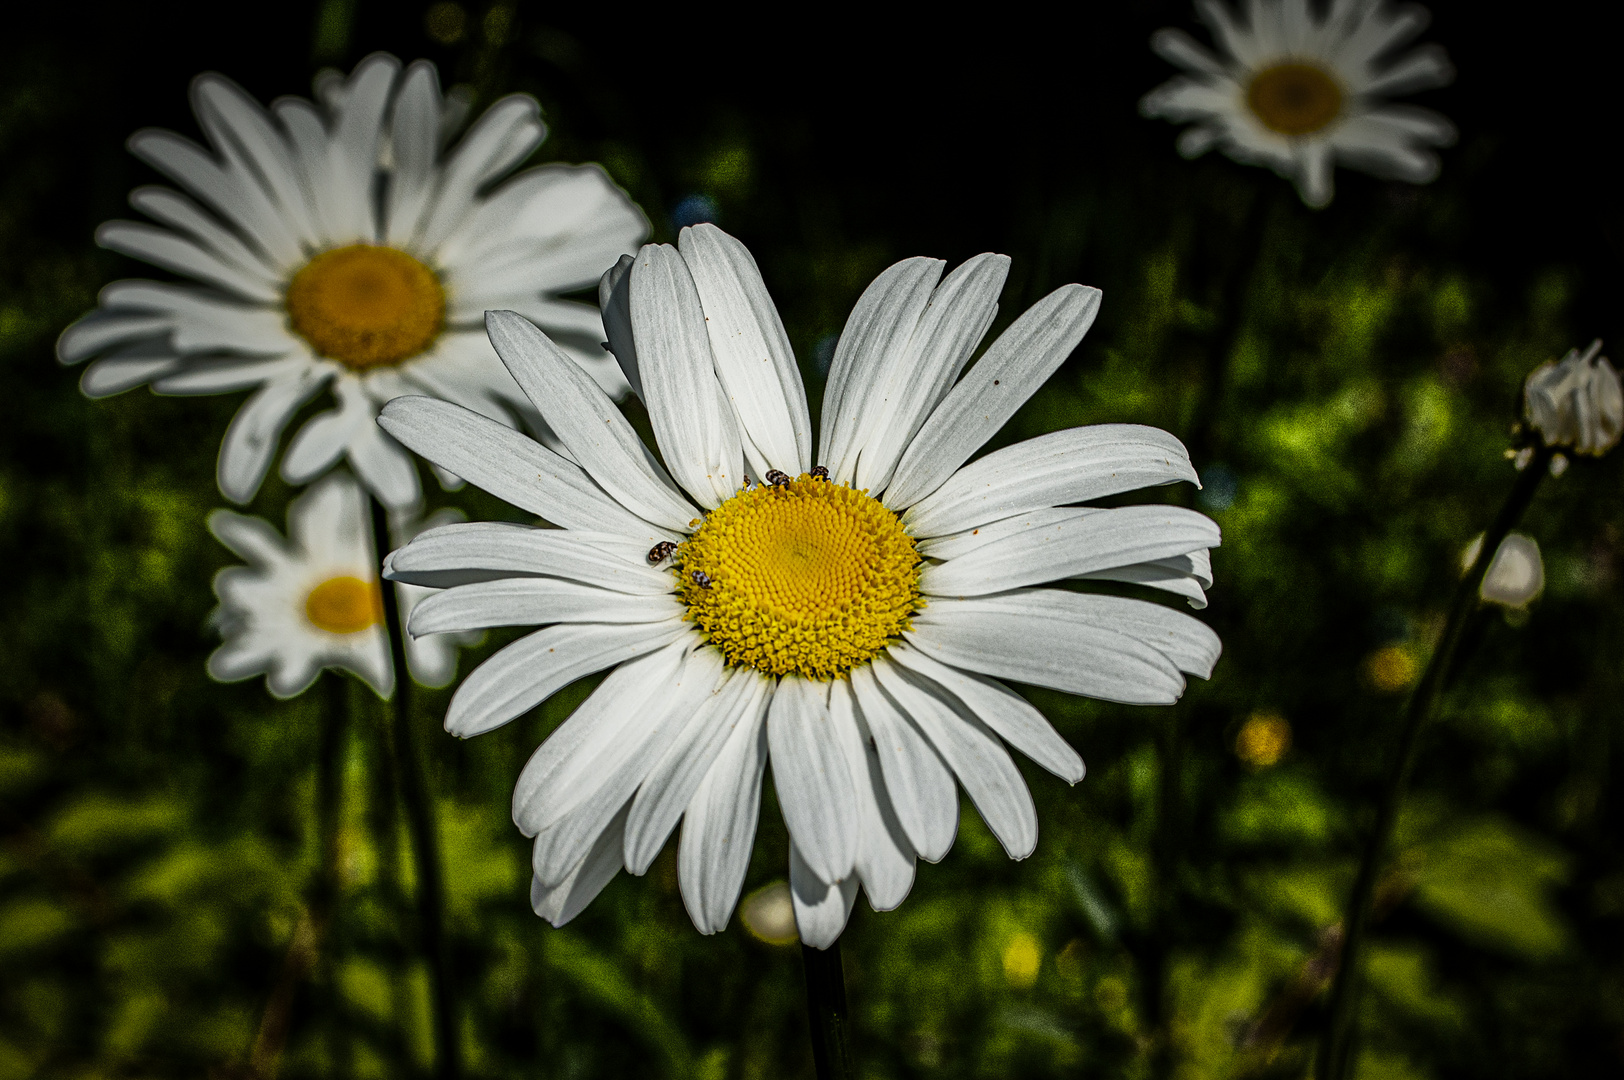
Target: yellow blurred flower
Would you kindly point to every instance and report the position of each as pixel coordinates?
(1022, 958)
(1392, 668)
(1263, 740)
(769, 914)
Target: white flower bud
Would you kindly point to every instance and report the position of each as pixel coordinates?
(1516, 577)
(1576, 402)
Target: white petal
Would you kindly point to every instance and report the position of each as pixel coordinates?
(598, 436)
(324, 437)
(1418, 69)
(182, 255)
(252, 539)
(752, 355)
(812, 777)
(482, 550)
(875, 337)
(501, 138)
(671, 784)
(1177, 47)
(918, 781)
(1068, 466)
(1176, 575)
(1087, 541)
(561, 903)
(103, 329)
(1001, 709)
(203, 320)
(225, 190)
(719, 827)
(615, 300)
(1020, 361)
(569, 805)
(1313, 173)
(974, 754)
(385, 467)
(960, 310)
(1041, 647)
(250, 441)
(510, 466)
(414, 144)
(821, 910)
(530, 670)
(1187, 642)
(128, 368)
(536, 601)
(178, 212)
(693, 424)
(257, 153)
(885, 858)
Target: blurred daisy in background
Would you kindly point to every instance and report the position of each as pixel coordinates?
(848, 622)
(312, 601)
(305, 603)
(1298, 91)
(347, 243)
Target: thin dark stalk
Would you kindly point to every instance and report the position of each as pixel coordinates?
(1335, 1052)
(310, 934)
(407, 758)
(826, 1009)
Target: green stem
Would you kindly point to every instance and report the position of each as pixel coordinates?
(310, 934)
(1335, 1052)
(420, 824)
(826, 1009)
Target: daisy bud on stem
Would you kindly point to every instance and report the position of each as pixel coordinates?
(1575, 405)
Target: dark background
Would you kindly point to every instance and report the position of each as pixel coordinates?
(1344, 378)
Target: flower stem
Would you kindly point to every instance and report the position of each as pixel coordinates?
(407, 759)
(310, 934)
(1336, 1046)
(826, 1009)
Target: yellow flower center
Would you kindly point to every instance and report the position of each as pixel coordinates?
(1294, 99)
(364, 305)
(808, 577)
(344, 605)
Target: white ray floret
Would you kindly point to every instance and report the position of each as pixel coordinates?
(353, 244)
(1299, 87)
(717, 606)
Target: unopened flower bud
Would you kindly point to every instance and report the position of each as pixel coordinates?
(1576, 402)
(1516, 577)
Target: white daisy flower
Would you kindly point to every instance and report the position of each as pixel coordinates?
(1576, 403)
(1296, 90)
(848, 622)
(305, 603)
(349, 244)
(312, 601)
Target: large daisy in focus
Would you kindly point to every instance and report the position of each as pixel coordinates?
(848, 621)
(312, 600)
(349, 244)
(1297, 90)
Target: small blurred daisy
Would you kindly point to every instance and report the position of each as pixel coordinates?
(304, 603)
(847, 622)
(312, 601)
(1576, 403)
(349, 244)
(1297, 90)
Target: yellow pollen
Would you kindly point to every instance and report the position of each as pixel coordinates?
(365, 306)
(810, 577)
(1295, 98)
(344, 605)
